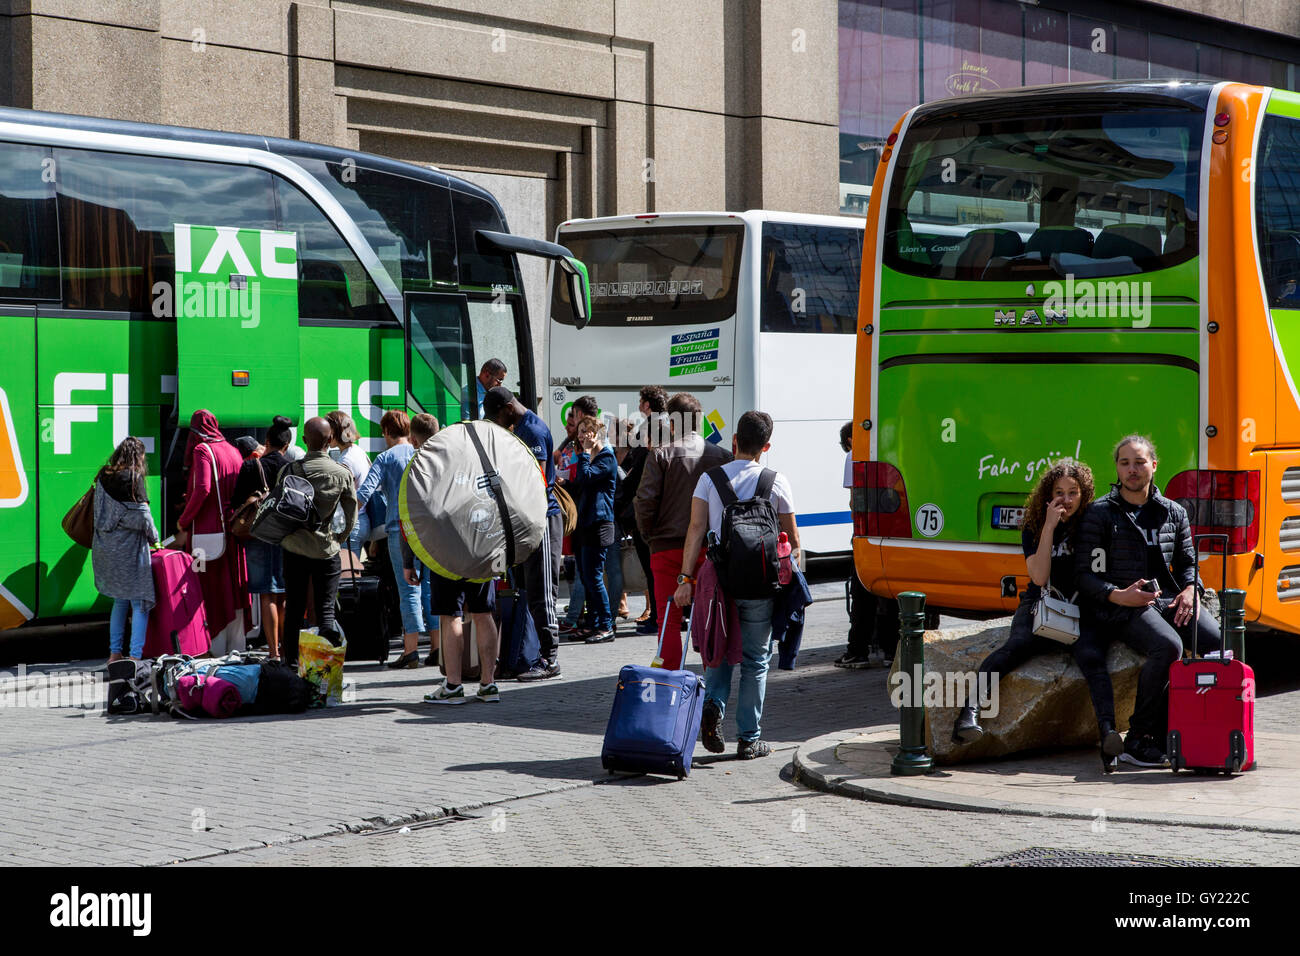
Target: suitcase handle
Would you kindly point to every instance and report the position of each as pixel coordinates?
(1223, 583)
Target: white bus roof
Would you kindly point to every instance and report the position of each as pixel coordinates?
(751, 216)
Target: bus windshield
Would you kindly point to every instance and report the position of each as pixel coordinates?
(656, 275)
(1045, 195)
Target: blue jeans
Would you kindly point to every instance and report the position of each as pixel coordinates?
(613, 578)
(755, 644)
(408, 595)
(433, 621)
(591, 564)
(360, 532)
(117, 626)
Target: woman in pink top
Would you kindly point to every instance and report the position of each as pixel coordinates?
(208, 510)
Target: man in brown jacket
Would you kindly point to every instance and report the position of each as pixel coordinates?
(663, 510)
(312, 554)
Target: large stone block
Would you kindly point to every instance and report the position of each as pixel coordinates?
(1043, 704)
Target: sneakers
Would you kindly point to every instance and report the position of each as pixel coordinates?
(750, 749)
(442, 695)
(711, 728)
(852, 662)
(966, 729)
(406, 661)
(1143, 752)
(571, 633)
(543, 671)
(599, 637)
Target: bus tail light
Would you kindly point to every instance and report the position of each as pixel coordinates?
(879, 500)
(1220, 502)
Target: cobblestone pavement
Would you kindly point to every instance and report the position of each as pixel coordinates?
(88, 789)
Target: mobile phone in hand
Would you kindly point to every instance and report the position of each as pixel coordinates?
(1151, 587)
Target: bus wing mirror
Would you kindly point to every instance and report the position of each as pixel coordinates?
(579, 283)
(575, 273)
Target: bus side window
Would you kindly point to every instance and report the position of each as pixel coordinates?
(332, 282)
(117, 217)
(810, 278)
(1278, 210)
(29, 249)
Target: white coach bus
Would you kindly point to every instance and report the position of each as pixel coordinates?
(746, 310)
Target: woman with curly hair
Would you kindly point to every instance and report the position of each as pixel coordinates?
(1052, 516)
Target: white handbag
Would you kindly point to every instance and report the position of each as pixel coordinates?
(1055, 617)
(212, 544)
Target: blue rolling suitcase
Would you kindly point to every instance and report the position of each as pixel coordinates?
(655, 721)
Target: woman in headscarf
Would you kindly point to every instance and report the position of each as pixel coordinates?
(212, 464)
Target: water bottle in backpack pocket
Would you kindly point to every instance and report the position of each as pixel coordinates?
(746, 555)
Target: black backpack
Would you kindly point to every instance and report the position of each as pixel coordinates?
(745, 554)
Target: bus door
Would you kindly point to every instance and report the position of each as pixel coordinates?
(441, 370)
(236, 306)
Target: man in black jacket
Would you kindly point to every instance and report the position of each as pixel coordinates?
(1138, 579)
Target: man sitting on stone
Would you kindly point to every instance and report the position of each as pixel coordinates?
(1138, 578)
(1052, 514)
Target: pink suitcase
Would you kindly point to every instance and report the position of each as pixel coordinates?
(178, 608)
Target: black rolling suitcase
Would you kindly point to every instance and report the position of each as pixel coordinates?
(362, 615)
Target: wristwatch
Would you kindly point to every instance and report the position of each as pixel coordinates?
(685, 579)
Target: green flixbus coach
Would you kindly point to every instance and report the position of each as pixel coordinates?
(148, 271)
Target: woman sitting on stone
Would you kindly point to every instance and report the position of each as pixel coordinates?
(1052, 514)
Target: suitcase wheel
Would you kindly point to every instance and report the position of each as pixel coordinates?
(1236, 752)
(1174, 750)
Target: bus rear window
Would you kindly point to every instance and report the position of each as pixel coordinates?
(656, 276)
(1045, 196)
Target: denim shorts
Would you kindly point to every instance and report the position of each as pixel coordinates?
(265, 567)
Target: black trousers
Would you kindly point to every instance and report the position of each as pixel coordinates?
(323, 573)
(1150, 631)
(1089, 652)
(863, 607)
(541, 576)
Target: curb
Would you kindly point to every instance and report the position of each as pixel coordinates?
(817, 767)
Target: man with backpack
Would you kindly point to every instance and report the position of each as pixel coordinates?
(311, 553)
(746, 506)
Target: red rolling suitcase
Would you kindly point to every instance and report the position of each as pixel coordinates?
(178, 608)
(1211, 711)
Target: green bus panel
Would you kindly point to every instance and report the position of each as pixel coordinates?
(99, 380)
(1183, 346)
(977, 434)
(359, 370)
(236, 307)
(1180, 282)
(19, 569)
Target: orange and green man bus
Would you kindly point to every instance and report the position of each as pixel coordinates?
(148, 271)
(1047, 270)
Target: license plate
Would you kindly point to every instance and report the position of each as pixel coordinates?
(1010, 519)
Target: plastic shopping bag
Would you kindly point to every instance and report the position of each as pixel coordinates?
(320, 664)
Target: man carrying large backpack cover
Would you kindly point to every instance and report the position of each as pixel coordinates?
(745, 557)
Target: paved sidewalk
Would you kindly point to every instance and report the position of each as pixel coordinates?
(1069, 784)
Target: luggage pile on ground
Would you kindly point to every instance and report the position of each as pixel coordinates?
(238, 684)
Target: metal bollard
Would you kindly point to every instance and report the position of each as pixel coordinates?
(1232, 607)
(912, 758)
